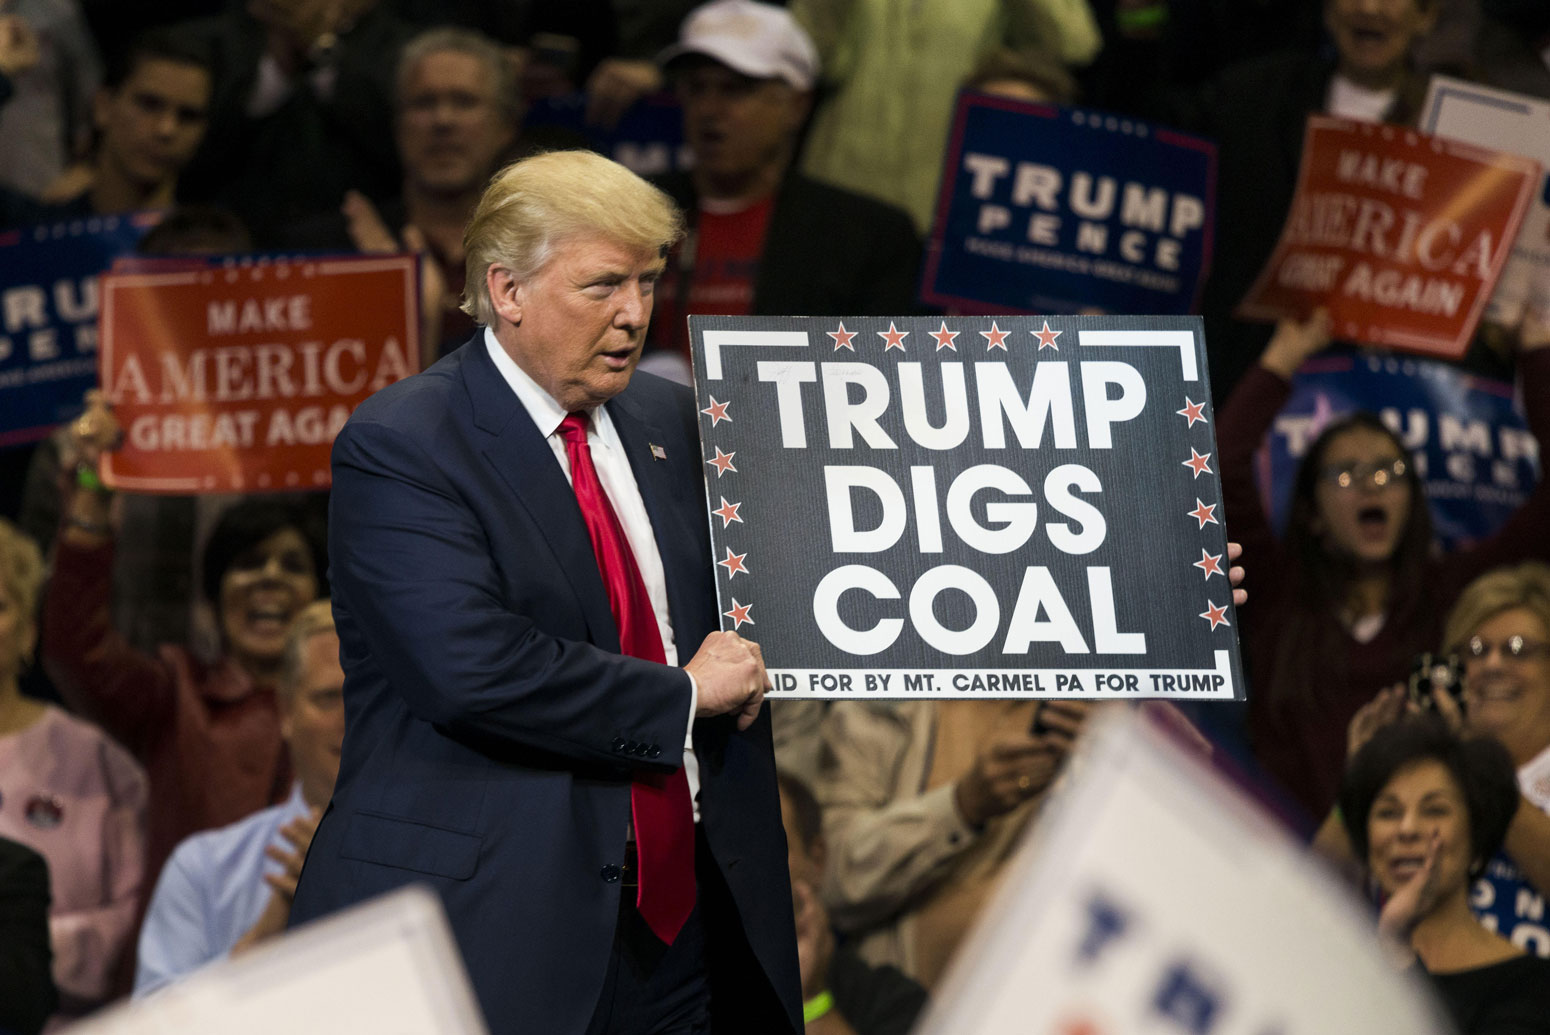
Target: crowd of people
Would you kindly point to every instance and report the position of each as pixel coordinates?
(172, 707)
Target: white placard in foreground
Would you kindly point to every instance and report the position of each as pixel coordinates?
(389, 967)
(1154, 897)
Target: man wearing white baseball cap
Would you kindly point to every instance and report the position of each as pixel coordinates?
(763, 239)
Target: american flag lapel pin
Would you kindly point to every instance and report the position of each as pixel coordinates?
(658, 452)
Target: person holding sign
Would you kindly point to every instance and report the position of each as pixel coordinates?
(206, 731)
(521, 563)
(1425, 809)
(1256, 111)
(1355, 591)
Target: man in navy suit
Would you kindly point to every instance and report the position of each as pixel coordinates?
(520, 564)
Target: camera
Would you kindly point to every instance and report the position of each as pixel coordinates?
(1432, 674)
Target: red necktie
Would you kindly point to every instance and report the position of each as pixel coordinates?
(659, 804)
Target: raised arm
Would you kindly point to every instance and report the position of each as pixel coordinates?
(886, 842)
(1241, 425)
(98, 673)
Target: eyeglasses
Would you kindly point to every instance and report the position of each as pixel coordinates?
(1515, 647)
(1351, 476)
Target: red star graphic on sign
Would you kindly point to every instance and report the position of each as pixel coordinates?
(1047, 337)
(1214, 614)
(1192, 411)
(717, 412)
(842, 338)
(1197, 462)
(894, 337)
(727, 512)
(1205, 513)
(1210, 563)
(734, 563)
(995, 337)
(944, 338)
(722, 462)
(738, 614)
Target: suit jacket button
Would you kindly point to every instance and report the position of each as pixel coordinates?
(653, 751)
(633, 747)
(611, 873)
(618, 744)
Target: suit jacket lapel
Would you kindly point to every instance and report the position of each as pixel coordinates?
(523, 459)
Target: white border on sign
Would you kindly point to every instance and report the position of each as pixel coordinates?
(716, 340)
(1184, 341)
(1133, 684)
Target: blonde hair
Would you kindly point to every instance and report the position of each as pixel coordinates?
(313, 620)
(533, 204)
(1525, 586)
(21, 569)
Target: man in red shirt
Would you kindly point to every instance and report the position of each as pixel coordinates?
(763, 239)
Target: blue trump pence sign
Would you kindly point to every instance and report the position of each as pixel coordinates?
(968, 506)
(1055, 210)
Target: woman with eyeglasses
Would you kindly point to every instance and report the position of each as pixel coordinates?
(1353, 590)
(1500, 629)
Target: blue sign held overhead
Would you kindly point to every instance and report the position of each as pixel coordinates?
(1473, 448)
(1045, 209)
(48, 317)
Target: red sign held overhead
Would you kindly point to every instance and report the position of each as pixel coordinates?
(1402, 236)
(237, 380)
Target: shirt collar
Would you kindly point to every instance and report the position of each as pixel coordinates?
(540, 405)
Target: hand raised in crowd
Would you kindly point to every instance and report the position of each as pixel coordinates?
(1294, 341)
(1386, 707)
(299, 29)
(94, 432)
(90, 510)
(616, 84)
(282, 885)
(729, 672)
(1534, 332)
(299, 833)
(18, 45)
(1016, 766)
(367, 230)
(1415, 898)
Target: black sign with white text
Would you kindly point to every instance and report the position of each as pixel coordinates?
(972, 506)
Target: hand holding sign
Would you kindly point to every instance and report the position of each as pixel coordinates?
(1295, 341)
(729, 674)
(1008, 771)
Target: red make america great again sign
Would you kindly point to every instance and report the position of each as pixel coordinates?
(237, 380)
(1400, 235)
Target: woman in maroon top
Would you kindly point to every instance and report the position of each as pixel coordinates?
(1353, 592)
(207, 732)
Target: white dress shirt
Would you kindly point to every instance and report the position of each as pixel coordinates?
(618, 481)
